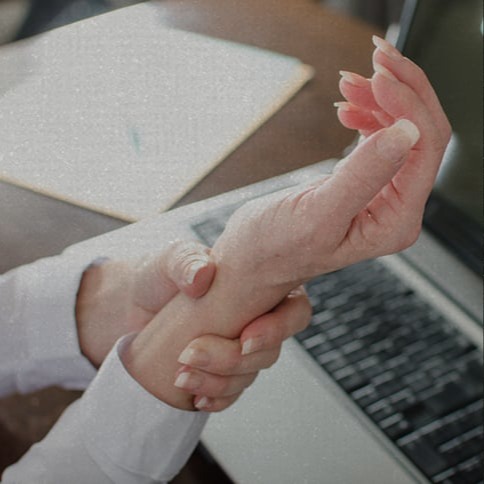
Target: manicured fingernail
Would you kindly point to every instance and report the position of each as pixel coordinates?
(194, 268)
(252, 345)
(396, 139)
(353, 78)
(409, 129)
(194, 357)
(345, 106)
(203, 403)
(386, 48)
(188, 381)
(384, 71)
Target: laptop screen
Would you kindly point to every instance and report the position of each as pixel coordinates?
(444, 37)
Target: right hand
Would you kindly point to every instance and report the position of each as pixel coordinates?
(372, 205)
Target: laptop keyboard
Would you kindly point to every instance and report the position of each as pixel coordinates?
(413, 374)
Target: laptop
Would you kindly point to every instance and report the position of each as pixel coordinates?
(385, 385)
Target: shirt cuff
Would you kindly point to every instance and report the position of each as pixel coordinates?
(47, 304)
(129, 432)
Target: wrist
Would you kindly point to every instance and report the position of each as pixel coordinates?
(95, 310)
(156, 376)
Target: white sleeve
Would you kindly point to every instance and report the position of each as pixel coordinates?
(117, 432)
(38, 337)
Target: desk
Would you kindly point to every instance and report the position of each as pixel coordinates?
(302, 132)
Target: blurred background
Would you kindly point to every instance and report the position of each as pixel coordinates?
(23, 18)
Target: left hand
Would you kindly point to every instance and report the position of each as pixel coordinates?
(217, 370)
(121, 297)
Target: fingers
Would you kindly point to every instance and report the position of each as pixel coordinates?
(354, 117)
(371, 96)
(212, 386)
(370, 167)
(259, 344)
(207, 404)
(215, 369)
(357, 90)
(190, 267)
(409, 73)
(184, 266)
(270, 330)
(402, 89)
(222, 356)
(399, 100)
(361, 112)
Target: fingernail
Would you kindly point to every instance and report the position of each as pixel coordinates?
(194, 357)
(409, 129)
(203, 403)
(252, 345)
(345, 106)
(188, 381)
(386, 48)
(353, 78)
(384, 71)
(403, 132)
(194, 268)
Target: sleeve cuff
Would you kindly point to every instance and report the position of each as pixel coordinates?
(129, 432)
(47, 305)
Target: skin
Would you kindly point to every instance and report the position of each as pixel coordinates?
(372, 205)
(122, 297)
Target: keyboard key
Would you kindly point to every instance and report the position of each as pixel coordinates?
(398, 429)
(365, 396)
(325, 358)
(417, 414)
(383, 413)
(422, 453)
(322, 348)
(314, 340)
(352, 382)
(336, 364)
(452, 396)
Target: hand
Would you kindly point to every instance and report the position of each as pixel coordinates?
(372, 205)
(217, 370)
(121, 297)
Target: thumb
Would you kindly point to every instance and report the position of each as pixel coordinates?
(190, 267)
(365, 171)
(183, 266)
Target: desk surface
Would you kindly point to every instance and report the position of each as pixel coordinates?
(302, 132)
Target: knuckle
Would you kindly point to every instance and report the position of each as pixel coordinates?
(272, 358)
(275, 357)
(223, 404)
(250, 379)
(412, 235)
(223, 385)
(407, 236)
